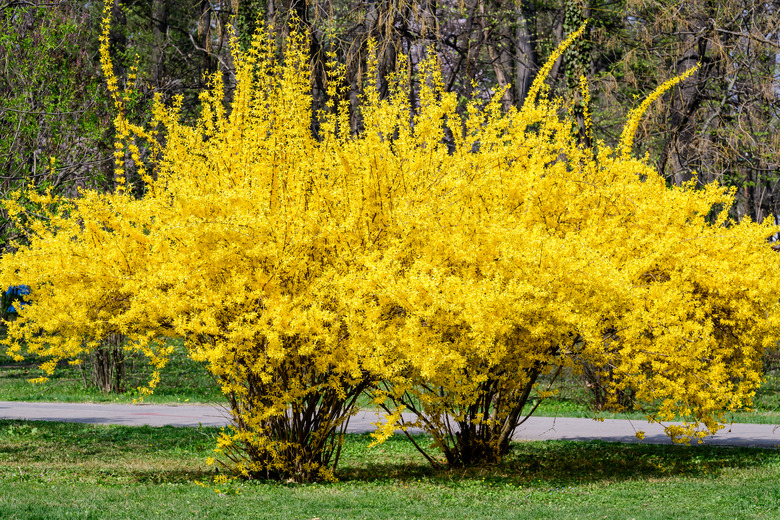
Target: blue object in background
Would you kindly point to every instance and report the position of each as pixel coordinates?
(15, 293)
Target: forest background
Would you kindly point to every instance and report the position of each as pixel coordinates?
(721, 125)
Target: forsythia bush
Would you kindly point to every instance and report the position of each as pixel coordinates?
(522, 253)
(441, 261)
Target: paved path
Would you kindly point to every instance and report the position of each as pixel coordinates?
(535, 428)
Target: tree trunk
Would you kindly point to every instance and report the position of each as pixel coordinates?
(106, 366)
(526, 58)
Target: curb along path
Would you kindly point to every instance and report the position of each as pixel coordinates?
(534, 429)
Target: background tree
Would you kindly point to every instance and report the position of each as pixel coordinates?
(722, 125)
(53, 103)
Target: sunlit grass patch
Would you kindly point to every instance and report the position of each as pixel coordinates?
(182, 381)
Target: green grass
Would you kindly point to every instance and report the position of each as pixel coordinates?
(59, 470)
(182, 380)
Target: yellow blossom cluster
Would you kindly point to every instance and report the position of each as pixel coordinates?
(441, 260)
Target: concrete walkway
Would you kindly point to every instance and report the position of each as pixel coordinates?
(535, 428)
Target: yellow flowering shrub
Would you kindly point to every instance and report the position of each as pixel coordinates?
(443, 261)
(515, 253)
(82, 261)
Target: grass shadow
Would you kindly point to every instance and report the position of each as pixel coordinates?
(169, 454)
(559, 463)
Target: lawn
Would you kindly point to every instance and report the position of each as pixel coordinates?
(59, 470)
(182, 380)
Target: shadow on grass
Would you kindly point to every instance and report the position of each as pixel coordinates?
(118, 475)
(563, 463)
(157, 476)
(174, 455)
